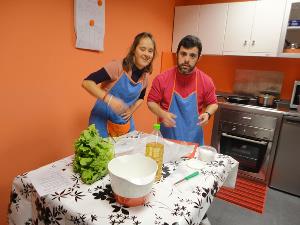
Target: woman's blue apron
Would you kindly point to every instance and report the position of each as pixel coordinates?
(186, 111)
(124, 89)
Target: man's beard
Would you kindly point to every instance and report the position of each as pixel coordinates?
(185, 68)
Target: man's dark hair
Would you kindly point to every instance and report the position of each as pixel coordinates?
(190, 41)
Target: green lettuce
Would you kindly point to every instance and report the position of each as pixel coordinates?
(92, 155)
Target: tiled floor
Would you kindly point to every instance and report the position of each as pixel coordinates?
(280, 209)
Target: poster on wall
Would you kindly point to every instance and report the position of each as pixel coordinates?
(89, 19)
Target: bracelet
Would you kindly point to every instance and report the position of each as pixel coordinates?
(110, 97)
(209, 115)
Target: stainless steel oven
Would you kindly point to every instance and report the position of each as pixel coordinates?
(248, 134)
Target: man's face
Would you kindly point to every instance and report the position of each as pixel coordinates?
(187, 59)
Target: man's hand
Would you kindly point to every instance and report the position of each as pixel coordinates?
(168, 119)
(203, 119)
(117, 105)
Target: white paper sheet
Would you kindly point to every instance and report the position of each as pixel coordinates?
(89, 37)
(48, 179)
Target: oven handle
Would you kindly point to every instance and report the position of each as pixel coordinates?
(244, 139)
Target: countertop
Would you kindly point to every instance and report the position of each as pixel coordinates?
(283, 106)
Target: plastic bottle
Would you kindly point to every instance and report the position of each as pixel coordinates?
(155, 149)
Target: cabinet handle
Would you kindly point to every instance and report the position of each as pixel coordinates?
(253, 43)
(245, 43)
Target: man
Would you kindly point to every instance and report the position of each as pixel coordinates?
(178, 95)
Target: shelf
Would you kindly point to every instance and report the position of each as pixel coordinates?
(291, 51)
(293, 27)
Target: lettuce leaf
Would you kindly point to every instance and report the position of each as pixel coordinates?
(92, 155)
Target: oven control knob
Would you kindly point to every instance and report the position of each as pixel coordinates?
(244, 130)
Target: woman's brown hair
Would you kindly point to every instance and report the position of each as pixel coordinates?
(128, 61)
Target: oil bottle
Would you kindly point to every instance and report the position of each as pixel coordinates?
(155, 149)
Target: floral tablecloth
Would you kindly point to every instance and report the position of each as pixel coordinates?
(186, 203)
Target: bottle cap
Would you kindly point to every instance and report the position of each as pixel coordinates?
(156, 126)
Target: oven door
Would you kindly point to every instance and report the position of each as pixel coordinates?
(249, 153)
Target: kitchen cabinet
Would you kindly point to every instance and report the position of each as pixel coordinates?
(207, 22)
(211, 28)
(254, 28)
(185, 23)
(290, 35)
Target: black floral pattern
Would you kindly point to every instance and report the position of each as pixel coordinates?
(166, 206)
(48, 215)
(105, 193)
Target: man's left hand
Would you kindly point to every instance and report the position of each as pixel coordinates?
(203, 119)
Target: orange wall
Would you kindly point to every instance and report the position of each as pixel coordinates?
(43, 107)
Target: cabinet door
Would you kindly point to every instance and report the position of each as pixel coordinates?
(289, 45)
(185, 23)
(239, 24)
(267, 27)
(211, 27)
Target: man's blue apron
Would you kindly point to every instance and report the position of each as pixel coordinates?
(102, 115)
(186, 110)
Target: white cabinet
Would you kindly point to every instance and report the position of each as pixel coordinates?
(211, 28)
(253, 28)
(185, 23)
(290, 35)
(239, 25)
(207, 22)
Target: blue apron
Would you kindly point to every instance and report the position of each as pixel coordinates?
(186, 110)
(124, 89)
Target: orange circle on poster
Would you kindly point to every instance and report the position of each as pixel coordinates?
(99, 2)
(92, 23)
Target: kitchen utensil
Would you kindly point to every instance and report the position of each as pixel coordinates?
(266, 100)
(132, 177)
(237, 99)
(187, 177)
(295, 99)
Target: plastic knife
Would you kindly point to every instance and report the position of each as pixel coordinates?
(188, 177)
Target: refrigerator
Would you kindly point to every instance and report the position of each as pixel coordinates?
(286, 167)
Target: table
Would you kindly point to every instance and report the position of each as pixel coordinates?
(95, 204)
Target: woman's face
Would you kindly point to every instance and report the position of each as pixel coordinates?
(143, 53)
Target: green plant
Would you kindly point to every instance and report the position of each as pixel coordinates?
(92, 154)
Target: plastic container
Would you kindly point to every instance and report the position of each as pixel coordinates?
(132, 177)
(206, 153)
(155, 149)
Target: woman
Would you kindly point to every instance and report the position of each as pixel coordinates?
(122, 87)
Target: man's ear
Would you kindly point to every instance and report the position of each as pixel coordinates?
(200, 56)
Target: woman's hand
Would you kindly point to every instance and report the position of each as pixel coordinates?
(117, 105)
(168, 119)
(127, 114)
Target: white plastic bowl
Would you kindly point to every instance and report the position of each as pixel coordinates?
(132, 176)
